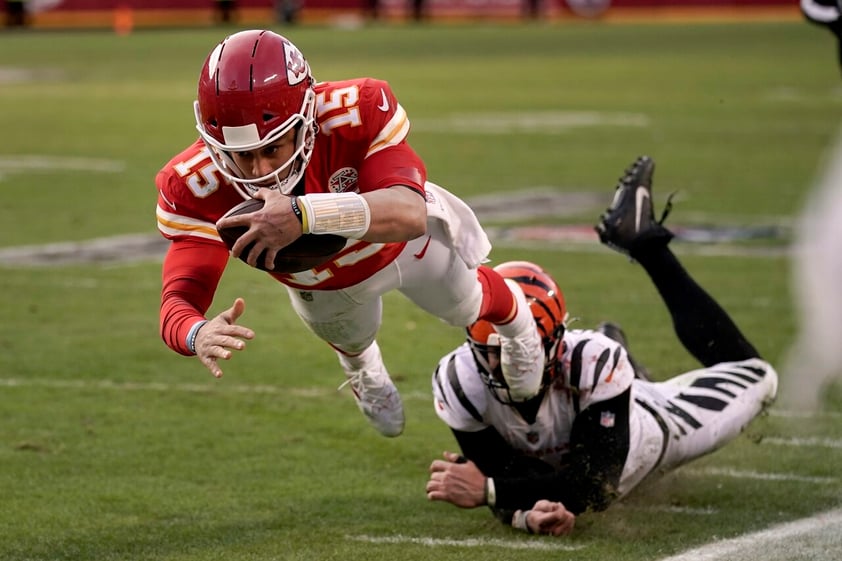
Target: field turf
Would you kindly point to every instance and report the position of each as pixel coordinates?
(112, 447)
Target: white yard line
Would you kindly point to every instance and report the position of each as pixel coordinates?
(809, 442)
(672, 509)
(320, 391)
(763, 476)
(20, 163)
(541, 545)
(817, 538)
(536, 122)
(789, 414)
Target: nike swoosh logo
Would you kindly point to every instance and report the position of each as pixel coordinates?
(423, 252)
(640, 197)
(384, 106)
(172, 205)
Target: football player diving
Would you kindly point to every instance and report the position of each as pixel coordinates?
(597, 428)
(326, 158)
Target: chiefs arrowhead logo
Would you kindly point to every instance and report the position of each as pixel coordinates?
(297, 68)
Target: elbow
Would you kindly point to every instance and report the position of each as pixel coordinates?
(418, 227)
(411, 223)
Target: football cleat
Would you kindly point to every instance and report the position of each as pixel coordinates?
(378, 399)
(616, 333)
(630, 220)
(522, 356)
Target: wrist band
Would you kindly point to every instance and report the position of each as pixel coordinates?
(519, 521)
(344, 214)
(191, 335)
(490, 492)
(293, 201)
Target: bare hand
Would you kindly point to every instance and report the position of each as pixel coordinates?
(551, 519)
(220, 334)
(271, 228)
(461, 484)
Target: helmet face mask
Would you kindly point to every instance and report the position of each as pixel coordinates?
(254, 88)
(546, 302)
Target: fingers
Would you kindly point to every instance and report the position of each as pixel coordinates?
(247, 241)
(452, 457)
(439, 466)
(232, 314)
(263, 193)
(551, 518)
(234, 221)
(219, 336)
(211, 364)
(449, 459)
(545, 506)
(268, 230)
(269, 261)
(230, 330)
(564, 527)
(435, 488)
(209, 354)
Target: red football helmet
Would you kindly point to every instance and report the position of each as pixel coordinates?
(546, 302)
(256, 86)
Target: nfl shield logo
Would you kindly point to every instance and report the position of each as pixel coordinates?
(606, 419)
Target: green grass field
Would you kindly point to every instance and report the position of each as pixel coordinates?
(112, 447)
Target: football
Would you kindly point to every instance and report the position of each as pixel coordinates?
(307, 252)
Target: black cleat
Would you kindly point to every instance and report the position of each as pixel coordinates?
(615, 332)
(630, 220)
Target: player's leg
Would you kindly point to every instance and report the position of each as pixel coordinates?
(704, 409)
(350, 327)
(441, 283)
(629, 226)
(700, 410)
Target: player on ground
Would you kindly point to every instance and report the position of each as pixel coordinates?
(326, 158)
(595, 430)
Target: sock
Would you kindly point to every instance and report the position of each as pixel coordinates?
(369, 359)
(498, 302)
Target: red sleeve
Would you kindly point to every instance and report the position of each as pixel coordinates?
(396, 165)
(191, 272)
(390, 160)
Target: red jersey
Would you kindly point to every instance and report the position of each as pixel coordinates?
(360, 147)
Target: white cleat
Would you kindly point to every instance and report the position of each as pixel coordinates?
(522, 356)
(378, 399)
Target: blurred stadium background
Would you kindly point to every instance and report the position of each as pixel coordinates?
(142, 13)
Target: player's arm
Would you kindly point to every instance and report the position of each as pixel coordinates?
(599, 444)
(392, 175)
(191, 272)
(462, 479)
(393, 214)
(397, 214)
(390, 207)
(487, 449)
(458, 394)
